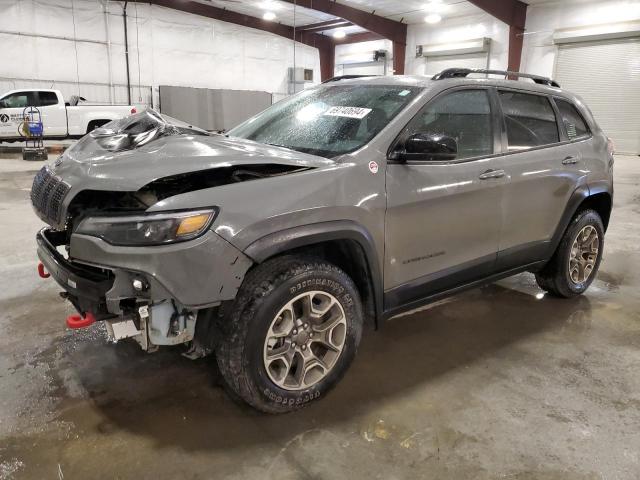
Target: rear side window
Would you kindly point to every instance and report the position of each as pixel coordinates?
(530, 120)
(464, 115)
(574, 124)
(47, 98)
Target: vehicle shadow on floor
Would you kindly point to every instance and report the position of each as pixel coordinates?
(176, 402)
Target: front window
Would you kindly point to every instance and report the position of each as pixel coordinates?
(16, 100)
(330, 120)
(465, 116)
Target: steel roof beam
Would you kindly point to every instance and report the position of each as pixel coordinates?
(514, 14)
(390, 29)
(357, 38)
(331, 24)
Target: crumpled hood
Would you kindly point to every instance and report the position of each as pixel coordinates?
(87, 166)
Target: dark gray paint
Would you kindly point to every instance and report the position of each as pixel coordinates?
(441, 213)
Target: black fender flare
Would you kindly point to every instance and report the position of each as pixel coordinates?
(305, 235)
(579, 195)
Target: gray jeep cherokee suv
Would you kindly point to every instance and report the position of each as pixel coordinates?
(353, 201)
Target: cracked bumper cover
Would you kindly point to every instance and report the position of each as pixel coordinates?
(198, 273)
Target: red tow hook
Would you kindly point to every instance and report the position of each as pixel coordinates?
(42, 272)
(77, 321)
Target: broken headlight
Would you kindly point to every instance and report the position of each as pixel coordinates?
(130, 132)
(149, 229)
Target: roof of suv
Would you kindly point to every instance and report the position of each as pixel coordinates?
(427, 81)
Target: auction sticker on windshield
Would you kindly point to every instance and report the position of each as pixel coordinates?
(349, 112)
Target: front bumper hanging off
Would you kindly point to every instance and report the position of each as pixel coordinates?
(153, 294)
(85, 287)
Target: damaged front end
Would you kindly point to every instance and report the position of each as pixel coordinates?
(131, 304)
(149, 273)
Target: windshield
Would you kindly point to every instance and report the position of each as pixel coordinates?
(328, 121)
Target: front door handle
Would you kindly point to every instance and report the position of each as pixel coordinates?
(570, 160)
(491, 174)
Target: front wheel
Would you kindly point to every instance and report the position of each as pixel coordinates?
(291, 333)
(576, 261)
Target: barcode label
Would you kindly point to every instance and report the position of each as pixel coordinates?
(349, 112)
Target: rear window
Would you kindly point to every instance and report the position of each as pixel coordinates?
(47, 99)
(530, 120)
(574, 124)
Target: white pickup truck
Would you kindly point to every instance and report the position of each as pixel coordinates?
(60, 120)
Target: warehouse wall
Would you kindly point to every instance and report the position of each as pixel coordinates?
(362, 53)
(165, 46)
(456, 30)
(539, 51)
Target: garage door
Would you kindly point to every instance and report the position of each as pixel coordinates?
(436, 64)
(607, 76)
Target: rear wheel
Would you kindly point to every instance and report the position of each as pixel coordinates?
(576, 261)
(291, 334)
(93, 124)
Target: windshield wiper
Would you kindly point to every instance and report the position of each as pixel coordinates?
(283, 146)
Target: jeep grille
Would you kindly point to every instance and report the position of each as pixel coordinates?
(47, 194)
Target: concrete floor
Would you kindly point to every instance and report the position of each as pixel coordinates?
(499, 382)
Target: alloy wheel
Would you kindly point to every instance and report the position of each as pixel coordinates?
(305, 340)
(584, 254)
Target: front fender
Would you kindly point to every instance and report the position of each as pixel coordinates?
(307, 235)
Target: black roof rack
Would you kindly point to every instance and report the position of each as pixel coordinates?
(463, 72)
(347, 77)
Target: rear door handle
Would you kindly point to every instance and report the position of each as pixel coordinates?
(491, 174)
(570, 160)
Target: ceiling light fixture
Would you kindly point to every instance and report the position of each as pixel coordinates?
(339, 34)
(435, 7)
(433, 18)
(269, 5)
(269, 16)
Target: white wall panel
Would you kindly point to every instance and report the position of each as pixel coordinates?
(13, 59)
(49, 18)
(54, 59)
(437, 64)
(457, 30)
(165, 47)
(362, 53)
(92, 66)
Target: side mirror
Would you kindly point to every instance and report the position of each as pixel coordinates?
(3, 104)
(428, 146)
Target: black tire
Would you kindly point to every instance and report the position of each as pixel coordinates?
(93, 124)
(554, 277)
(265, 290)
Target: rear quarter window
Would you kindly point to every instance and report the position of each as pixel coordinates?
(573, 122)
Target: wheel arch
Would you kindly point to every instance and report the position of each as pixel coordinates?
(96, 123)
(344, 243)
(601, 201)
(584, 197)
